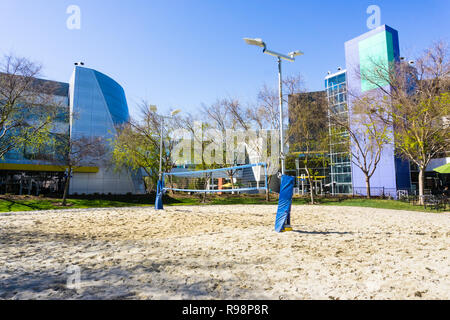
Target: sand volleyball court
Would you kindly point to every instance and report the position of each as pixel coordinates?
(225, 252)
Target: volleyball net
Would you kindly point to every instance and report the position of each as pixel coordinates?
(249, 178)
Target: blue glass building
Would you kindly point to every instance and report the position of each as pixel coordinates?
(340, 157)
(93, 105)
(98, 105)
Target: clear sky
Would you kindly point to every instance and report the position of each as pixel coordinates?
(180, 54)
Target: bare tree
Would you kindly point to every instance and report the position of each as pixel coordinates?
(218, 113)
(237, 114)
(231, 114)
(222, 116)
(78, 152)
(368, 134)
(266, 116)
(200, 139)
(267, 112)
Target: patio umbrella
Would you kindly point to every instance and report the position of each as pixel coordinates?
(228, 185)
(443, 169)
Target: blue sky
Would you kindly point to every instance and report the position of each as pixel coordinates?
(180, 54)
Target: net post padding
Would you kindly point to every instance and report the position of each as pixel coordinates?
(283, 218)
(159, 195)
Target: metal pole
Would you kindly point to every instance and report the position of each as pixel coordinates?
(283, 169)
(266, 177)
(161, 149)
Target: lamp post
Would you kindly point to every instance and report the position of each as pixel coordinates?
(291, 58)
(154, 109)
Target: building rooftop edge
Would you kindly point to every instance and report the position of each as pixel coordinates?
(335, 74)
(369, 33)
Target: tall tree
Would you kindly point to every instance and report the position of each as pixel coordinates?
(415, 98)
(137, 145)
(27, 105)
(307, 131)
(222, 116)
(132, 149)
(368, 134)
(266, 116)
(78, 152)
(202, 146)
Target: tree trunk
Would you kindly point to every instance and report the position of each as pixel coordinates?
(206, 187)
(368, 187)
(171, 185)
(267, 189)
(311, 187)
(231, 175)
(204, 198)
(66, 190)
(311, 191)
(421, 185)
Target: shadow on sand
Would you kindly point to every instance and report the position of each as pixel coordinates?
(322, 232)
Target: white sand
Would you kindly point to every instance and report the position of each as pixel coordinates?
(226, 252)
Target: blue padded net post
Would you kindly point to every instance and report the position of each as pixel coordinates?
(285, 203)
(159, 195)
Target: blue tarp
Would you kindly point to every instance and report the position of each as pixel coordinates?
(159, 196)
(284, 203)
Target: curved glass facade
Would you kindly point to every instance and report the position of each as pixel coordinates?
(115, 98)
(98, 105)
(90, 107)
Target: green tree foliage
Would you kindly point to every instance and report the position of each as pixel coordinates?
(308, 132)
(27, 106)
(135, 150)
(417, 106)
(137, 144)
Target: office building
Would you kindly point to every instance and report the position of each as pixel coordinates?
(93, 105)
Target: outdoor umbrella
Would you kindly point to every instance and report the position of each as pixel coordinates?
(443, 169)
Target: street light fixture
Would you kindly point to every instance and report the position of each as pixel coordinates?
(256, 42)
(175, 112)
(291, 58)
(295, 53)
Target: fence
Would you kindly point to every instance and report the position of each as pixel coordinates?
(376, 192)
